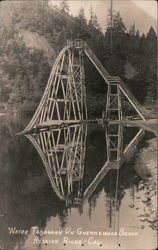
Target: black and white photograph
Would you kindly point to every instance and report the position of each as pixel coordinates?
(78, 125)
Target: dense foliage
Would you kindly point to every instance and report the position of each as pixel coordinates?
(24, 71)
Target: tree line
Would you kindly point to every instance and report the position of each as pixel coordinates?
(24, 71)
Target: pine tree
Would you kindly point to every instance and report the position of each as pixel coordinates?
(151, 33)
(118, 24)
(64, 6)
(109, 26)
(115, 37)
(81, 15)
(93, 22)
(116, 29)
(151, 40)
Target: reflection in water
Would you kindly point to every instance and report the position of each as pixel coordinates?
(62, 151)
(92, 190)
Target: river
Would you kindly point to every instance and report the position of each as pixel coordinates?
(46, 206)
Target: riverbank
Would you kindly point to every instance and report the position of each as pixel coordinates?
(146, 199)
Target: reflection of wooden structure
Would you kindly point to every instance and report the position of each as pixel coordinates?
(114, 143)
(64, 98)
(62, 152)
(114, 161)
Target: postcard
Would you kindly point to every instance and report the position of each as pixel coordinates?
(78, 124)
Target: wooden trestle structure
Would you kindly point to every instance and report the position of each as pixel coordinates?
(63, 109)
(64, 98)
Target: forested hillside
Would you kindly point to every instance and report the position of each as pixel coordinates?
(32, 34)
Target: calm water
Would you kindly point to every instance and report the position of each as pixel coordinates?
(51, 189)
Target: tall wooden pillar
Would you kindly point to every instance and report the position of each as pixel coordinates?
(113, 104)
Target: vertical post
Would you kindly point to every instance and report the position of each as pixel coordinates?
(107, 102)
(83, 88)
(81, 81)
(110, 205)
(119, 103)
(120, 142)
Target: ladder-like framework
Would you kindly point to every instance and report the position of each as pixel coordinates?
(115, 80)
(113, 103)
(64, 99)
(62, 152)
(114, 143)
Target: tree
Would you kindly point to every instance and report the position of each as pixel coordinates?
(151, 41)
(64, 6)
(115, 51)
(93, 22)
(81, 15)
(118, 29)
(118, 25)
(151, 33)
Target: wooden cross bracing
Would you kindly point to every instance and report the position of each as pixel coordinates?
(114, 142)
(64, 98)
(62, 152)
(113, 103)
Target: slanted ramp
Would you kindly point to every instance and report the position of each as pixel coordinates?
(115, 80)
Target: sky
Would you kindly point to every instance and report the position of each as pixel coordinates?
(142, 12)
(150, 7)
